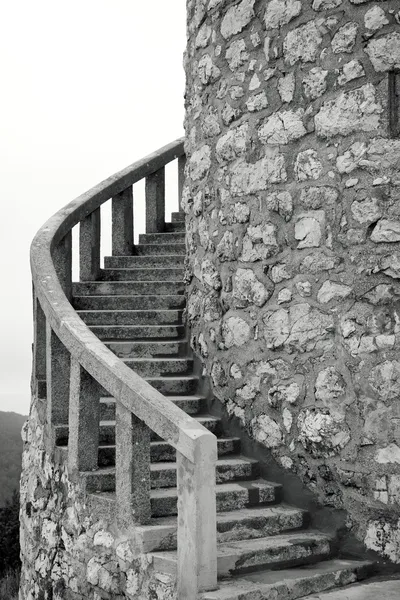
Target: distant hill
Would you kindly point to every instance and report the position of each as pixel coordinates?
(10, 453)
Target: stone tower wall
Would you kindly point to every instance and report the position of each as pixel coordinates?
(293, 216)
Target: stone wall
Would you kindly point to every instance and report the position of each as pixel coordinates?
(70, 550)
(293, 215)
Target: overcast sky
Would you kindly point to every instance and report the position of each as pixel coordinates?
(87, 87)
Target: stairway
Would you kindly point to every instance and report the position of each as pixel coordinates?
(266, 549)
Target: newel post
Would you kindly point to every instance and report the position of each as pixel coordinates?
(122, 223)
(89, 247)
(155, 202)
(84, 420)
(197, 519)
(132, 463)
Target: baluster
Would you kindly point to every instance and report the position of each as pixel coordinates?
(58, 362)
(155, 202)
(181, 178)
(62, 260)
(84, 420)
(89, 247)
(197, 524)
(122, 223)
(132, 461)
(39, 345)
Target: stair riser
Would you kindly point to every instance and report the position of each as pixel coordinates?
(162, 238)
(107, 432)
(138, 333)
(143, 275)
(148, 349)
(161, 452)
(160, 367)
(175, 387)
(178, 217)
(146, 262)
(191, 407)
(129, 302)
(163, 507)
(309, 584)
(133, 317)
(176, 226)
(160, 249)
(127, 288)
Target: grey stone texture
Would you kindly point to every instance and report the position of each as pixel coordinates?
(292, 211)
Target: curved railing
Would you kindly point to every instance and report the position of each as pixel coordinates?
(75, 365)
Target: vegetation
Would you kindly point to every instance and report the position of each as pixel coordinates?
(10, 453)
(9, 549)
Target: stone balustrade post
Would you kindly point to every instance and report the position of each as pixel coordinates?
(62, 260)
(181, 178)
(122, 223)
(132, 463)
(58, 362)
(155, 202)
(89, 247)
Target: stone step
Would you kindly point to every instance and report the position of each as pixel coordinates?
(129, 302)
(107, 430)
(177, 237)
(287, 549)
(163, 274)
(246, 523)
(163, 474)
(131, 317)
(160, 249)
(175, 386)
(163, 452)
(176, 226)
(169, 260)
(229, 496)
(192, 405)
(148, 349)
(291, 584)
(387, 589)
(158, 367)
(178, 217)
(113, 333)
(128, 288)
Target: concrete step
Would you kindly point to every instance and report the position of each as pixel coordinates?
(129, 302)
(129, 288)
(107, 430)
(169, 260)
(229, 496)
(386, 589)
(177, 237)
(291, 584)
(175, 386)
(131, 317)
(148, 349)
(178, 217)
(163, 452)
(192, 405)
(163, 474)
(113, 333)
(163, 274)
(176, 226)
(246, 523)
(287, 549)
(159, 367)
(160, 249)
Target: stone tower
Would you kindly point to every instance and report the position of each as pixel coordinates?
(293, 225)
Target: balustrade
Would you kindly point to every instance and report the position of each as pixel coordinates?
(77, 366)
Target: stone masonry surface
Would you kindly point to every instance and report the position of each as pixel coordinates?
(68, 551)
(292, 204)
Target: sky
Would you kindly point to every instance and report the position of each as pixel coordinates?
(87, 87)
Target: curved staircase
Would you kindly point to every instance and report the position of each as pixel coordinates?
(266, 549)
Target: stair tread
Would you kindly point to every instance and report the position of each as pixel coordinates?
(221, 487)
(200, 418)
(172, 398)
(156, 443)
(264, 582)
(256, 544)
